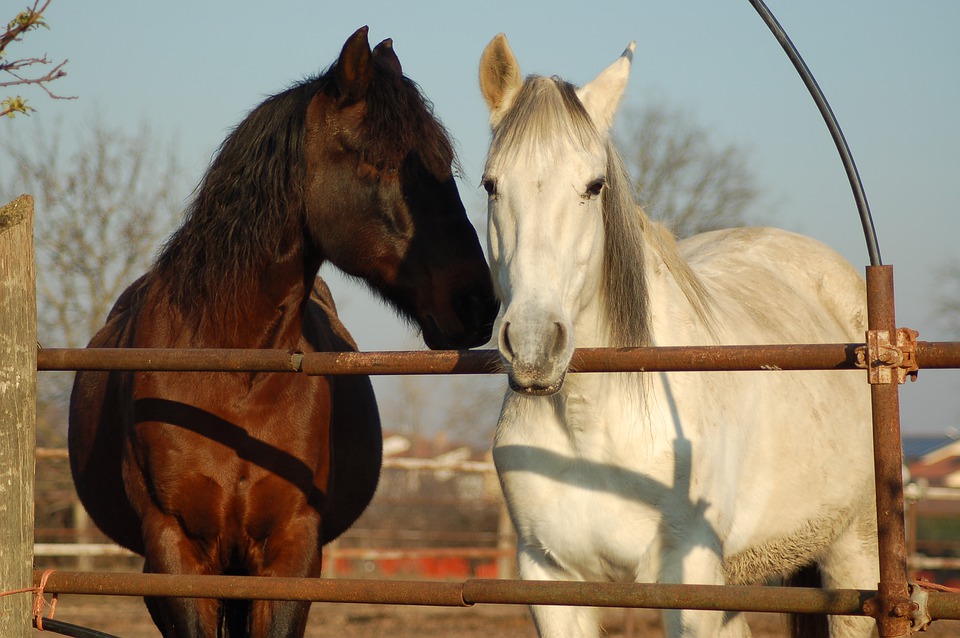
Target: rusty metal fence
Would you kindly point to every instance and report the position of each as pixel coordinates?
(888, 357)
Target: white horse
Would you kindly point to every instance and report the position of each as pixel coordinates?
(714, 478)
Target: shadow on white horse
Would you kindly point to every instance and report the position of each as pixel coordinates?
(712, 478)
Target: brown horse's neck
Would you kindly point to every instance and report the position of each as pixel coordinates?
(271, 313)
(266, 312)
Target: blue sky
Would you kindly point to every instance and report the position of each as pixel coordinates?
(889, 68)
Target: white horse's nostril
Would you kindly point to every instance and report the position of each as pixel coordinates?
(506, 349)
(560, 340)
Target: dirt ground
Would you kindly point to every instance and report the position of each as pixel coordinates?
(127, 618)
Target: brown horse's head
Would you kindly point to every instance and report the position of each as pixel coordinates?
(349, 167)
(381, 202)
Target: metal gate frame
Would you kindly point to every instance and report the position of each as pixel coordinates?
(888, 356)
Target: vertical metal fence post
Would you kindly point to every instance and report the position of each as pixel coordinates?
(891, 607)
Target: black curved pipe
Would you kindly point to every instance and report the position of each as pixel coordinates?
(67, 629)
(866, 219)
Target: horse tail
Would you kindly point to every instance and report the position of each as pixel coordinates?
(808, 625)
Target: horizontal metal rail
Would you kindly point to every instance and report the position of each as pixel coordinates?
(486, 591)
(836, 356)
(933, 563)
(346, 553)
(389, 462)
(80, 549)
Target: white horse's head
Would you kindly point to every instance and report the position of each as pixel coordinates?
(546, 174)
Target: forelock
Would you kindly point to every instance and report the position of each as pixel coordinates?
(546, 116)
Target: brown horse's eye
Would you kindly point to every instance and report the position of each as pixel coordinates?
(489, 185)
(368, 171)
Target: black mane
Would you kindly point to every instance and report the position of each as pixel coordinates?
(243, 205)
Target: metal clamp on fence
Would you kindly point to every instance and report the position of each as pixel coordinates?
(880, 356)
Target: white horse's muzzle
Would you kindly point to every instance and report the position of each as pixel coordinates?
(536, 355)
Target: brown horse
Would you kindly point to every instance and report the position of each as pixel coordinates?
(251, 473)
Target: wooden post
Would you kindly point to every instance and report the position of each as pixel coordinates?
(81, 525)
(912, 536)
(18, 399)
(507, 545)
(330, 551)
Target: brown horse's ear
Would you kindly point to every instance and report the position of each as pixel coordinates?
(385, 53)
(354, 68)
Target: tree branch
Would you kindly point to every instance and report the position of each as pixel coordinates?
(26, 20)
(55, 73)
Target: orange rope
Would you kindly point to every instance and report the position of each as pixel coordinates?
(39, 602)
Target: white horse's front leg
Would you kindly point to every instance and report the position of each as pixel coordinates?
(697, 563)
(555, 621)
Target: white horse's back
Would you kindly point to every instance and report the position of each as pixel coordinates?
(773, 273)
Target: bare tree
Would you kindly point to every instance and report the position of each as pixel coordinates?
(404, 411)
(681, 177)
(20, 69)
(103, 203)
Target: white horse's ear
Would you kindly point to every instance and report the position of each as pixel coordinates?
(499, 77)
(602, 96)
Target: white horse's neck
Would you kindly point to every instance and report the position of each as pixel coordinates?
(607, 414)
(672, 286)
(685, 308)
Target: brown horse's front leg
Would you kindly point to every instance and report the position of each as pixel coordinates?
(185, 617)
(169, 551)
(292, 550)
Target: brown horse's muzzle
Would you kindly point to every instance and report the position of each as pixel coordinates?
(465, 320)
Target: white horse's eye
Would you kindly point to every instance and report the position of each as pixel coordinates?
(595, 187)
(489, 185)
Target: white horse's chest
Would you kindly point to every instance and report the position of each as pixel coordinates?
(572, 492)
